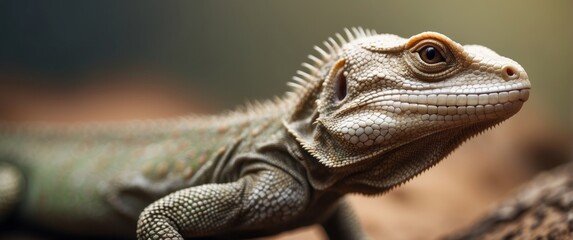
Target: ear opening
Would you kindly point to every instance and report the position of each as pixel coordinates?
(303, 122)
(310, 125)
(335, 86)
(340, 85)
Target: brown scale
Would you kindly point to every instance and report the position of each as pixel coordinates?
(202, 159)
(188, 173)
(179, 165)
(161, 170)
(222, 129)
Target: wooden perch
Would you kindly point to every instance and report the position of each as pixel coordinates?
(542, 209)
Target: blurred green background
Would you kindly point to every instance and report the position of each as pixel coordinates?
(83, 60)
(231, 51)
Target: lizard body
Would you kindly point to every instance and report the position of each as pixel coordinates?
(373, 111)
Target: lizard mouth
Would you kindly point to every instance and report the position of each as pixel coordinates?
(457, 106)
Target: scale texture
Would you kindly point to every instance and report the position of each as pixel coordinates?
(368, 112)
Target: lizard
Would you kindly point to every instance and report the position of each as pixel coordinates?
(368, 112)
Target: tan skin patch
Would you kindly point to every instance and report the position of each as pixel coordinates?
(202, 159)
(162, 169)
(222, 129)
(188, 173)
(179, 166)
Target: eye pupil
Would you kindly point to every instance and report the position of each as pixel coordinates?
(431, 55)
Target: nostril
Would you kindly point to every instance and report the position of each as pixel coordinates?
(509, 72)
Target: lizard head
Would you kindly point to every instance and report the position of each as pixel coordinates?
(379, 109)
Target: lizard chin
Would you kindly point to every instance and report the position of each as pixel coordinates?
(407, 161)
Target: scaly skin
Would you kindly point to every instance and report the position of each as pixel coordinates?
(369, 114)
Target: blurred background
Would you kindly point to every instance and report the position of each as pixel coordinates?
(116, 60)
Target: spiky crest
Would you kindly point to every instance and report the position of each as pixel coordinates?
(309, 78)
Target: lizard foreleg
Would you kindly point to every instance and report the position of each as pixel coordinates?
(255, 201)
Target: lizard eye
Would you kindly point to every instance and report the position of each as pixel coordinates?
(431, 59)
(431, 55)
